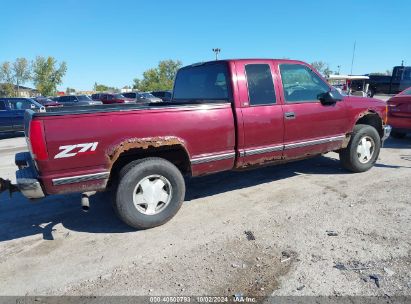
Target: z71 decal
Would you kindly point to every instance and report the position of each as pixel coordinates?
(73, 150)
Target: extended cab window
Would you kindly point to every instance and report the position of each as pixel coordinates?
(260, 84)
(2, 105)
(300, 84)
(204, 82)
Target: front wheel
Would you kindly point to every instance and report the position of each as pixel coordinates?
(362, 150)
(149, 193)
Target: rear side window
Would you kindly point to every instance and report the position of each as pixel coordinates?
(2, 105)
(260, 84)
(20, 104)
(206, 82)
(129, 95)
(300, 84)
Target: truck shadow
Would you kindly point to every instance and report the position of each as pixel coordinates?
(20, 217)
(395, 143)
(11, 135)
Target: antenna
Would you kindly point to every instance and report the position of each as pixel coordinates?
(353, 54)
(216, 51)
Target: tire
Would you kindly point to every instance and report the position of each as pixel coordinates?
(149, 193)
(397, 134)
(355, 161)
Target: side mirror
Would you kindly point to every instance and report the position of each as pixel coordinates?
(32, 106)
(330, 97)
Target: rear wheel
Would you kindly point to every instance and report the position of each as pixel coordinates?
(149, 193)
(362, 150)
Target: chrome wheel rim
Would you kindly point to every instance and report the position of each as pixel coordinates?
(365, 149)
(152, 194)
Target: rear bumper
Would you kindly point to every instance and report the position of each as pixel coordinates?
(27, 177)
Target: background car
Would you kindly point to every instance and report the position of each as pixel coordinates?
(108, 98)
(399, 113)
(77, 100)
(96, 96)
(12, 113)
(142, 97)
(164, 95)
(47, 102)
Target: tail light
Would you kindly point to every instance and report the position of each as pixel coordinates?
(37, 140)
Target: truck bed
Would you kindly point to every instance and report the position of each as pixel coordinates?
(58, 111)
(88, 140)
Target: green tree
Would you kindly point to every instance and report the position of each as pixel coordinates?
(7, 90)
(6, 76)
(322, 67)
(100, 87)
(159, 78)
(103, 88)
(22, 72)
(46, 75)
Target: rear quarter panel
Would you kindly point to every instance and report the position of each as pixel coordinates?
(202, 130)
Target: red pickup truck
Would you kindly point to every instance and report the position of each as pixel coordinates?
(224, 115)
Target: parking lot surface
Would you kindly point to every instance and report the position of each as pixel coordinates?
(304, 228)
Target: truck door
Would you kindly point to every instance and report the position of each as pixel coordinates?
(310, 127)
(18, 106)
(261, 112)
(6, 117)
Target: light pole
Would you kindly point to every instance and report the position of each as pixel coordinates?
(338, 66)
(216, 51)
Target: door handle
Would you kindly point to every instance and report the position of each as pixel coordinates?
(289, 115)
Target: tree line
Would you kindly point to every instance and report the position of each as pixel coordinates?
(45, 73)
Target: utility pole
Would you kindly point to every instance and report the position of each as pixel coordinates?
(216, 51)
(353, 54)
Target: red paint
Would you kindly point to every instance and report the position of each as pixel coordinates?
(399, 110)
(203, 130)
(37, 140)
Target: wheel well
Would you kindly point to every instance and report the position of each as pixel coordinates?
(372, 119)
(174, 154)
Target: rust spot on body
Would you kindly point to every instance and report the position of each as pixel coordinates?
(141, 143)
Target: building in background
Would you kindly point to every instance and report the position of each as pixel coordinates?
(22, 91)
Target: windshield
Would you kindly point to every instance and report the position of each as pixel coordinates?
(83, 98)
(203, 82)
(407, 92)
(148, 95)
(43, 100)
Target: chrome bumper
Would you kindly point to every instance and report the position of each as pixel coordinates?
(27, 177)
(387, 132)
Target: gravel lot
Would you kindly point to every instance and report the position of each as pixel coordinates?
(50, 247)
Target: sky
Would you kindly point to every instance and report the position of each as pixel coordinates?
(113, 42)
